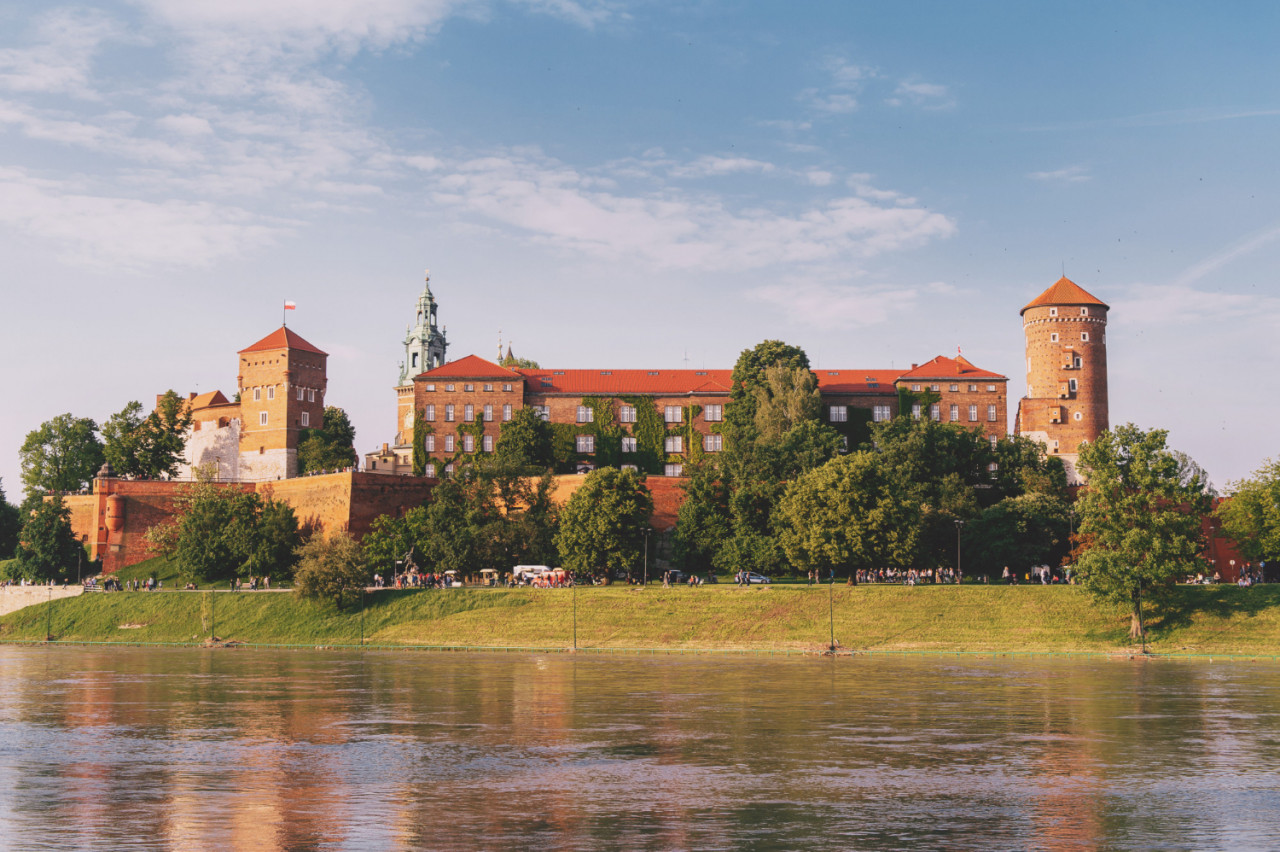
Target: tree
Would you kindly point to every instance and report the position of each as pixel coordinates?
(1140, 518)
(10, 525)
(787, 397)
(513, 362)
(222, 532)
(845, 516)
(332, 568)
(148, 447)
(527, 441)
(47, 549)
(1250, 515)
(749, 374)
(702, 522)
(602, 527)
(331, 447)
(1020, 532)
(62, 455)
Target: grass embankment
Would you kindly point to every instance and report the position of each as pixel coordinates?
(164, 569)
(1223, 620)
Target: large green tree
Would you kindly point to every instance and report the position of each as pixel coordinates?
(1140, 518)
(845, 516)
(61, 455)
(1250, 514)
(333, 569)
(749, 376)
(602, 527)
(47, 548)
(527, 441)
(331, 447)
(149, 447)
(10, 525)
(1018, 532)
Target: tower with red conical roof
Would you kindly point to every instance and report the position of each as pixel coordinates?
(282, 381)
(1066, 401)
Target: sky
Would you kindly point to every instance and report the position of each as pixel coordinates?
(605, 183)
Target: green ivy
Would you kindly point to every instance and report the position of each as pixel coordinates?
(421, 429)
(857, 428)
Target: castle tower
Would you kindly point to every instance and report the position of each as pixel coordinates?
(282, 383)
(424, 349)
(1066, 401)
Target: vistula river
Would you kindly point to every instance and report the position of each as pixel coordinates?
(133, 748)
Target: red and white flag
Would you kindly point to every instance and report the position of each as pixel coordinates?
(290, 306)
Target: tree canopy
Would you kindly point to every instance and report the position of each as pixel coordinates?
(47, 548)
(1251, 514)
(330, 447)
(149, 447)
(333, 569)
(527, 441)
(61, 455)
(1140, 517)
(602, 527)
(10, 525)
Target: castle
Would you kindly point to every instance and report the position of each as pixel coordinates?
(658, 420)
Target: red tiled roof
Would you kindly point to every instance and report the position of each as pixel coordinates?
(470, 367)
(656, 382)
(1064, 292)
(283, 338)
(949, 369)
(857, 381)
(205, 400)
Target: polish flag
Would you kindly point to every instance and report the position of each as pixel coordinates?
(290, 306)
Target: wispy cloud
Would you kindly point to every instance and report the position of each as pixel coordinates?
(1167, 118)
(66, 42)
(840, 94)
(1071, 174)
(1245, 246)
(709, 166)
(923, 95)
(828, 305)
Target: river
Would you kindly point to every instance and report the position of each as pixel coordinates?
(134, 748)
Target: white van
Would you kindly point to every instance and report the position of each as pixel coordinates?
(527, 573)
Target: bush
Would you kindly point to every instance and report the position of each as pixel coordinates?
(332, 569)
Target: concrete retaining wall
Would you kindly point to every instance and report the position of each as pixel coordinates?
(14, 598)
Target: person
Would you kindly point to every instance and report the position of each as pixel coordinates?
(1005, 574)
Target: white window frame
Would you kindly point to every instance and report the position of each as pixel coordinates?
(488, 413)
(955, 388)
(673, 444)
(448, 413)
(935, 412)
(429, 443)
(469, 388)
(1084, 312)
(584, 444)
(1053, 337)
(991, 413)
(916, 411)
(506, 388)
(713, 413)
(487, 443)
(305, 418)
(429, 413)
(973, 414)
(262, 418)
(955, 413)
(673, 414)
(448, 443)
(506, 412)
(468, 413)
(271, 392)
(488, 388)
(586, 414)
(627, 414)
(881, 413)
(1084, 337)
(673, 470)
(712, 443)
(1053, 312)
(468, 443)
(430, 469)
(311, 394)
(628, 444)
(300, 394)
(1073, 385)
(257, 394)
(838, 413)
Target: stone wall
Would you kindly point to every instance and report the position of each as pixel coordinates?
(14, 598)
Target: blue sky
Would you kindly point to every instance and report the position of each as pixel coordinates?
(637, 184)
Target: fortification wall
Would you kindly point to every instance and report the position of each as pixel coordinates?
(667, 492)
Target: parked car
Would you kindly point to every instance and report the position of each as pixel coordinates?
(752, 577)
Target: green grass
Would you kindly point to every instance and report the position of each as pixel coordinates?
(1209, 620)
(165, 569)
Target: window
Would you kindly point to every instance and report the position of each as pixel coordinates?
(469, 388)
(488, 414)
(935, 412)
(544, 411)
(448, 469)
(627, 414)
(993, 469)
(713, 413)
(915, 388)
(311, 394)
(468, 413)
(955, 388)
(1078, 415)
(1053, 338)
(448, 414)
(973, 414)
(429, 443)
(991, 414)
(674, 470)
(306, 419)
(955, 413)
(429, 413)
(431, 388)
(271, 392)
(1084, 312)
(933, 388)
(630, 467)
(489, 388)
(449, 388)
(1053, 312)
(448, 443)
(915, 411)
(1084, 337)
(628, 444)
(880, 413)
(991, 387)
(430, 469)
(585, 444)
(712, 443)
(487, 443)
(299, 394)
(506, 388)
(413, 360)
(585, 414)
(468, 443)
(1072, 385)
(262, 418)
(839, 413)
(973, 388)
(506, 413)
(1077, 362)
(673, 444)
(257, 394)
(995, 439)
(673, 414)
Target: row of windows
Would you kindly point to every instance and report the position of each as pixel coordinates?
(310, 394)
(468, 413)
(1084, 312)
(952, 388)
(935, 413)
(1053, 337)
(506, 388)
(468, 443)
(305, 418)
(670, 444)
(627, 414)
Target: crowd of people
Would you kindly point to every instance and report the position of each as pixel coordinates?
(907, 576)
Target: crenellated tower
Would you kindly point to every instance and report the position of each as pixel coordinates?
(1066, 401)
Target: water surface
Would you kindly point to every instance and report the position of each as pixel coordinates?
(261, 749)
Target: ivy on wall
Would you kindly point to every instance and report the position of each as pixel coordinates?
(421, 429)
(856, 429)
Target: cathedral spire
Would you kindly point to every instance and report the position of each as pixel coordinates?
(424, 342)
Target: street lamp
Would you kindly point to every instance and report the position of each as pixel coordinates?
(959, 527)
(646, 531)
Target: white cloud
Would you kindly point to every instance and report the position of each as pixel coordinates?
(818, 177)
(62, 58)
(839, 96)
(924, 95)
(1071, 174)
(710, 166)
(1245, 246)
(185, 125)
(832, 306)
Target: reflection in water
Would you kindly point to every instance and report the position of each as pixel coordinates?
(256, 749)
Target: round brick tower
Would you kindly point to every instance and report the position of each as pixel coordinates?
(1066, 401)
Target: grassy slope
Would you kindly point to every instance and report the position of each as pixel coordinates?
(974, 618)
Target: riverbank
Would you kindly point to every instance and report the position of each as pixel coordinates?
(988, 619)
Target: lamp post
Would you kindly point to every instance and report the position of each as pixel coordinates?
(959, 573)
(1233, 566)
(831, 610)
(647, 530)
(574, 586)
